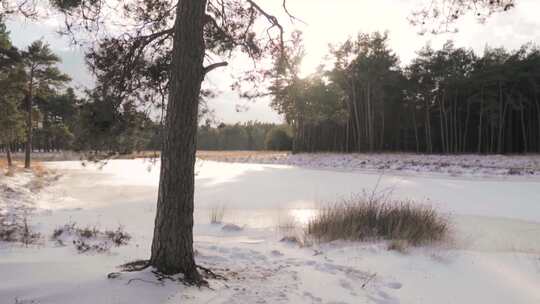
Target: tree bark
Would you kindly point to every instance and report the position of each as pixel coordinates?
(441, 120)
(28, 147)
(356, 114)
(466, 131)
(523, 128)
(8, 154)
(172, 246)
(538, 120)
(479, 147)
(415, 131)
(502, 115)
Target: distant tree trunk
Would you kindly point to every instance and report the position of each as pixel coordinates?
(455, 130)
(381, 145)
(536, 137)
(8, 154)
(466, 131)
(442, 124)
(370, 112)
(347, 135)
(429, 142)
(479, 148)
(172, 246)
(415, 130)
(523, 128)
(356, 114)
(502, 116)
(28, 149)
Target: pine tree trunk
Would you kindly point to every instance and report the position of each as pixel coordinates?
(502, 112)
(172, 246)
(28, 147)
(523, 128)
(415, 131)
(538, 120)
(466, 131)
(8, 154)
(479, 147)
(441, 121)
(429, 141)
(370, 116)
(356, 114)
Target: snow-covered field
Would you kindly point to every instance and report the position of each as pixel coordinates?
(397, 163)
(493, 257)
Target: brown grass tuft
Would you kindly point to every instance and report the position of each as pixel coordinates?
(40, 170)
(372, 219)
(90, 239)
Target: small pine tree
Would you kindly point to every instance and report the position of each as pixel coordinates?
(11, 85)
(42, 75)
(278, 139)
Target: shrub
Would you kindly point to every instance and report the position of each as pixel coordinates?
(15, 231)
(371, 219)
(278, 139)
(90, 239)
(119, 237)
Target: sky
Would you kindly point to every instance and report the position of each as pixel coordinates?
(324, 22)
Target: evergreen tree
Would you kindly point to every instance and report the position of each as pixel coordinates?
(11, 84)
(42, 76)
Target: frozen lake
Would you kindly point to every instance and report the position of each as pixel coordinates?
(493, 257)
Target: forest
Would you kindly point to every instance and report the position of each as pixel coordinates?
(94, 120)
(449, 100)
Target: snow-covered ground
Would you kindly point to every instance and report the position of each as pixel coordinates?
(401, 163)
(493, 257)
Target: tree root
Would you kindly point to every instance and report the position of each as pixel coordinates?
(210, 274)
(193, 279)
(145, 281)
(135, 266)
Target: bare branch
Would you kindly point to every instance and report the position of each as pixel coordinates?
(440, 16)
(214, 66)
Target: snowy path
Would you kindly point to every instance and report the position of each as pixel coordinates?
(495, 257)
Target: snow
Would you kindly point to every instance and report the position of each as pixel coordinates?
(493, 257)
(402, 163)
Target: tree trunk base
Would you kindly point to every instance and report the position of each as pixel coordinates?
(190, 279)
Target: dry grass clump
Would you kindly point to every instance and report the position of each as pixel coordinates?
(40, 170)
(90, 239)
(3, 164)
(10, 171)
(37, 168)
(43, 177)
(374, 219)
(238, 155)
(119, 237)
(7, 170)
(17, 231)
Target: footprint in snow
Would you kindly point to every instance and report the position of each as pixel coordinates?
(313, 298)
(276, 253)
(394, 285)
(345, 284)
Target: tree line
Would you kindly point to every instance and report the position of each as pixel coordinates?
(249, 136)
(40, 112)
(36, 100)
(449, 100)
